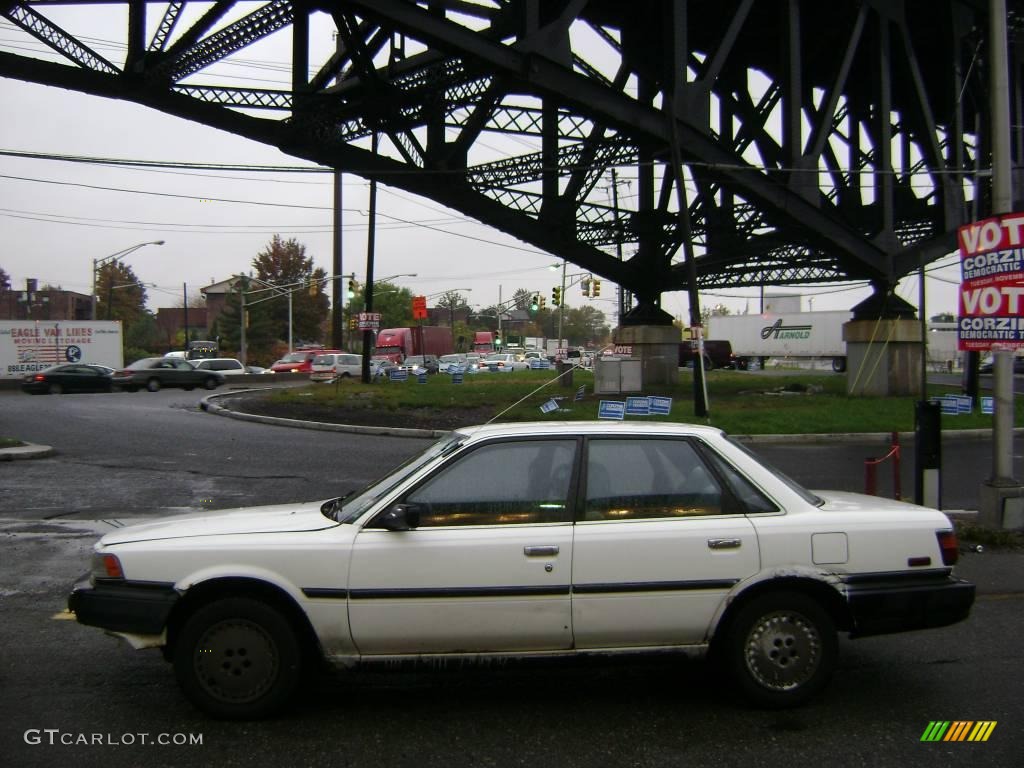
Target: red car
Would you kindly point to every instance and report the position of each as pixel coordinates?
(299, 361)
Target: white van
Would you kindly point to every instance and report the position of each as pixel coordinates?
(333, 365)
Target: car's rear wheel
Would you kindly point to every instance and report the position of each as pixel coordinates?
(210, 383)
(55, 389)
(238, 658)
(781, 649)
(153, 385)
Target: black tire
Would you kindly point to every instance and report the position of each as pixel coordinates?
(839, 364)
(55, 389)
(781, 649)
(210, 383)
(238, 659)
(153, 385)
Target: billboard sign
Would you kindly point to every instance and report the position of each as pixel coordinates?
(991, 284)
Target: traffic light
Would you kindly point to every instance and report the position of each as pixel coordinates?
(543, 302)
(351, 323)
(351, 293)
(596, 288)
(534, 302)
(497, 340)
(585, 286)
(556, 296)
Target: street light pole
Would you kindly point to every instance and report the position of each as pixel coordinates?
(97, 263)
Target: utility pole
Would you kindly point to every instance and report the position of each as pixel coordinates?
(337, 289)
(371, 233)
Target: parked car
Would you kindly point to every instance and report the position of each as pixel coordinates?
(502, 362)
(717, 354)
(530, 539)
(333, 365)
(427, 362)
(299, 361)
(152, 373)
(988, 366)
(228, 366)
(74, 377)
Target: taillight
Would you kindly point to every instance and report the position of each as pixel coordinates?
(106, 566)
(39, 377)
(949, 547)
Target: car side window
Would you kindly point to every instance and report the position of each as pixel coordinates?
(648, 478)
(755, 501)
(506, 483)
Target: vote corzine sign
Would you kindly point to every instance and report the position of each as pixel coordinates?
(992, 284)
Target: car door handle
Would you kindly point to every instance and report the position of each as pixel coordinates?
(544, 551)
(724, 543)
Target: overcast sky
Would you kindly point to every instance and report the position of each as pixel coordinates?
(58, 216)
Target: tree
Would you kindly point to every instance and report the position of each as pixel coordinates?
(718, 310)
(260, 330)
(521, 299)
(394, 305)
(284, 263)
(584, 326)
(119, 294)
(5, 280)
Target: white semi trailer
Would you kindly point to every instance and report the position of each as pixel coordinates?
(790, 335)
(29, 346)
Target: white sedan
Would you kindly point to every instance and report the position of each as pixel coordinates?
(502, 363)
(530, 540)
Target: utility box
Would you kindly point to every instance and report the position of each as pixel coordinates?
(613, 375)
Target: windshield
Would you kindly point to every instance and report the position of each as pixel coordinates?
(356, 504)
(323, 360)
(293, 357)
(806, 495)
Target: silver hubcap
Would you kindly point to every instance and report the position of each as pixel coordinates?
(782, 650)
(236, 661)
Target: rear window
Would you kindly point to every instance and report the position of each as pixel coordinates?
(324, 360)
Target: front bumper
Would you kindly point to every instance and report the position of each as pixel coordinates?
(885, 603)
(135, 607)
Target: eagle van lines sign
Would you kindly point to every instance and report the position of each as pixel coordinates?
(992, 284)
(29, 346)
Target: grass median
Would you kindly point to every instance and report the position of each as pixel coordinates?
(739, 402)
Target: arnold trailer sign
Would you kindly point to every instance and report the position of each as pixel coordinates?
(992, 284)
(29, 346)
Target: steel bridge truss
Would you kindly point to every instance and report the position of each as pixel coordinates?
(817, 142)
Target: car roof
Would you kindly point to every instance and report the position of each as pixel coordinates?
(588, 428)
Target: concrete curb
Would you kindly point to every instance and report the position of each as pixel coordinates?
(26, 451)
(209, 405)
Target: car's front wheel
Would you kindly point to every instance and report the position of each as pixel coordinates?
(237, 658)
(781, 649)
(153, 385)
(210, 383)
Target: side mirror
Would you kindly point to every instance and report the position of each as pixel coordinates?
(399, 517)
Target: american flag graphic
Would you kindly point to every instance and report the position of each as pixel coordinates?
(44, 353)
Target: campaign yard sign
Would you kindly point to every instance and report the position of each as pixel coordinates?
(992, 284)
